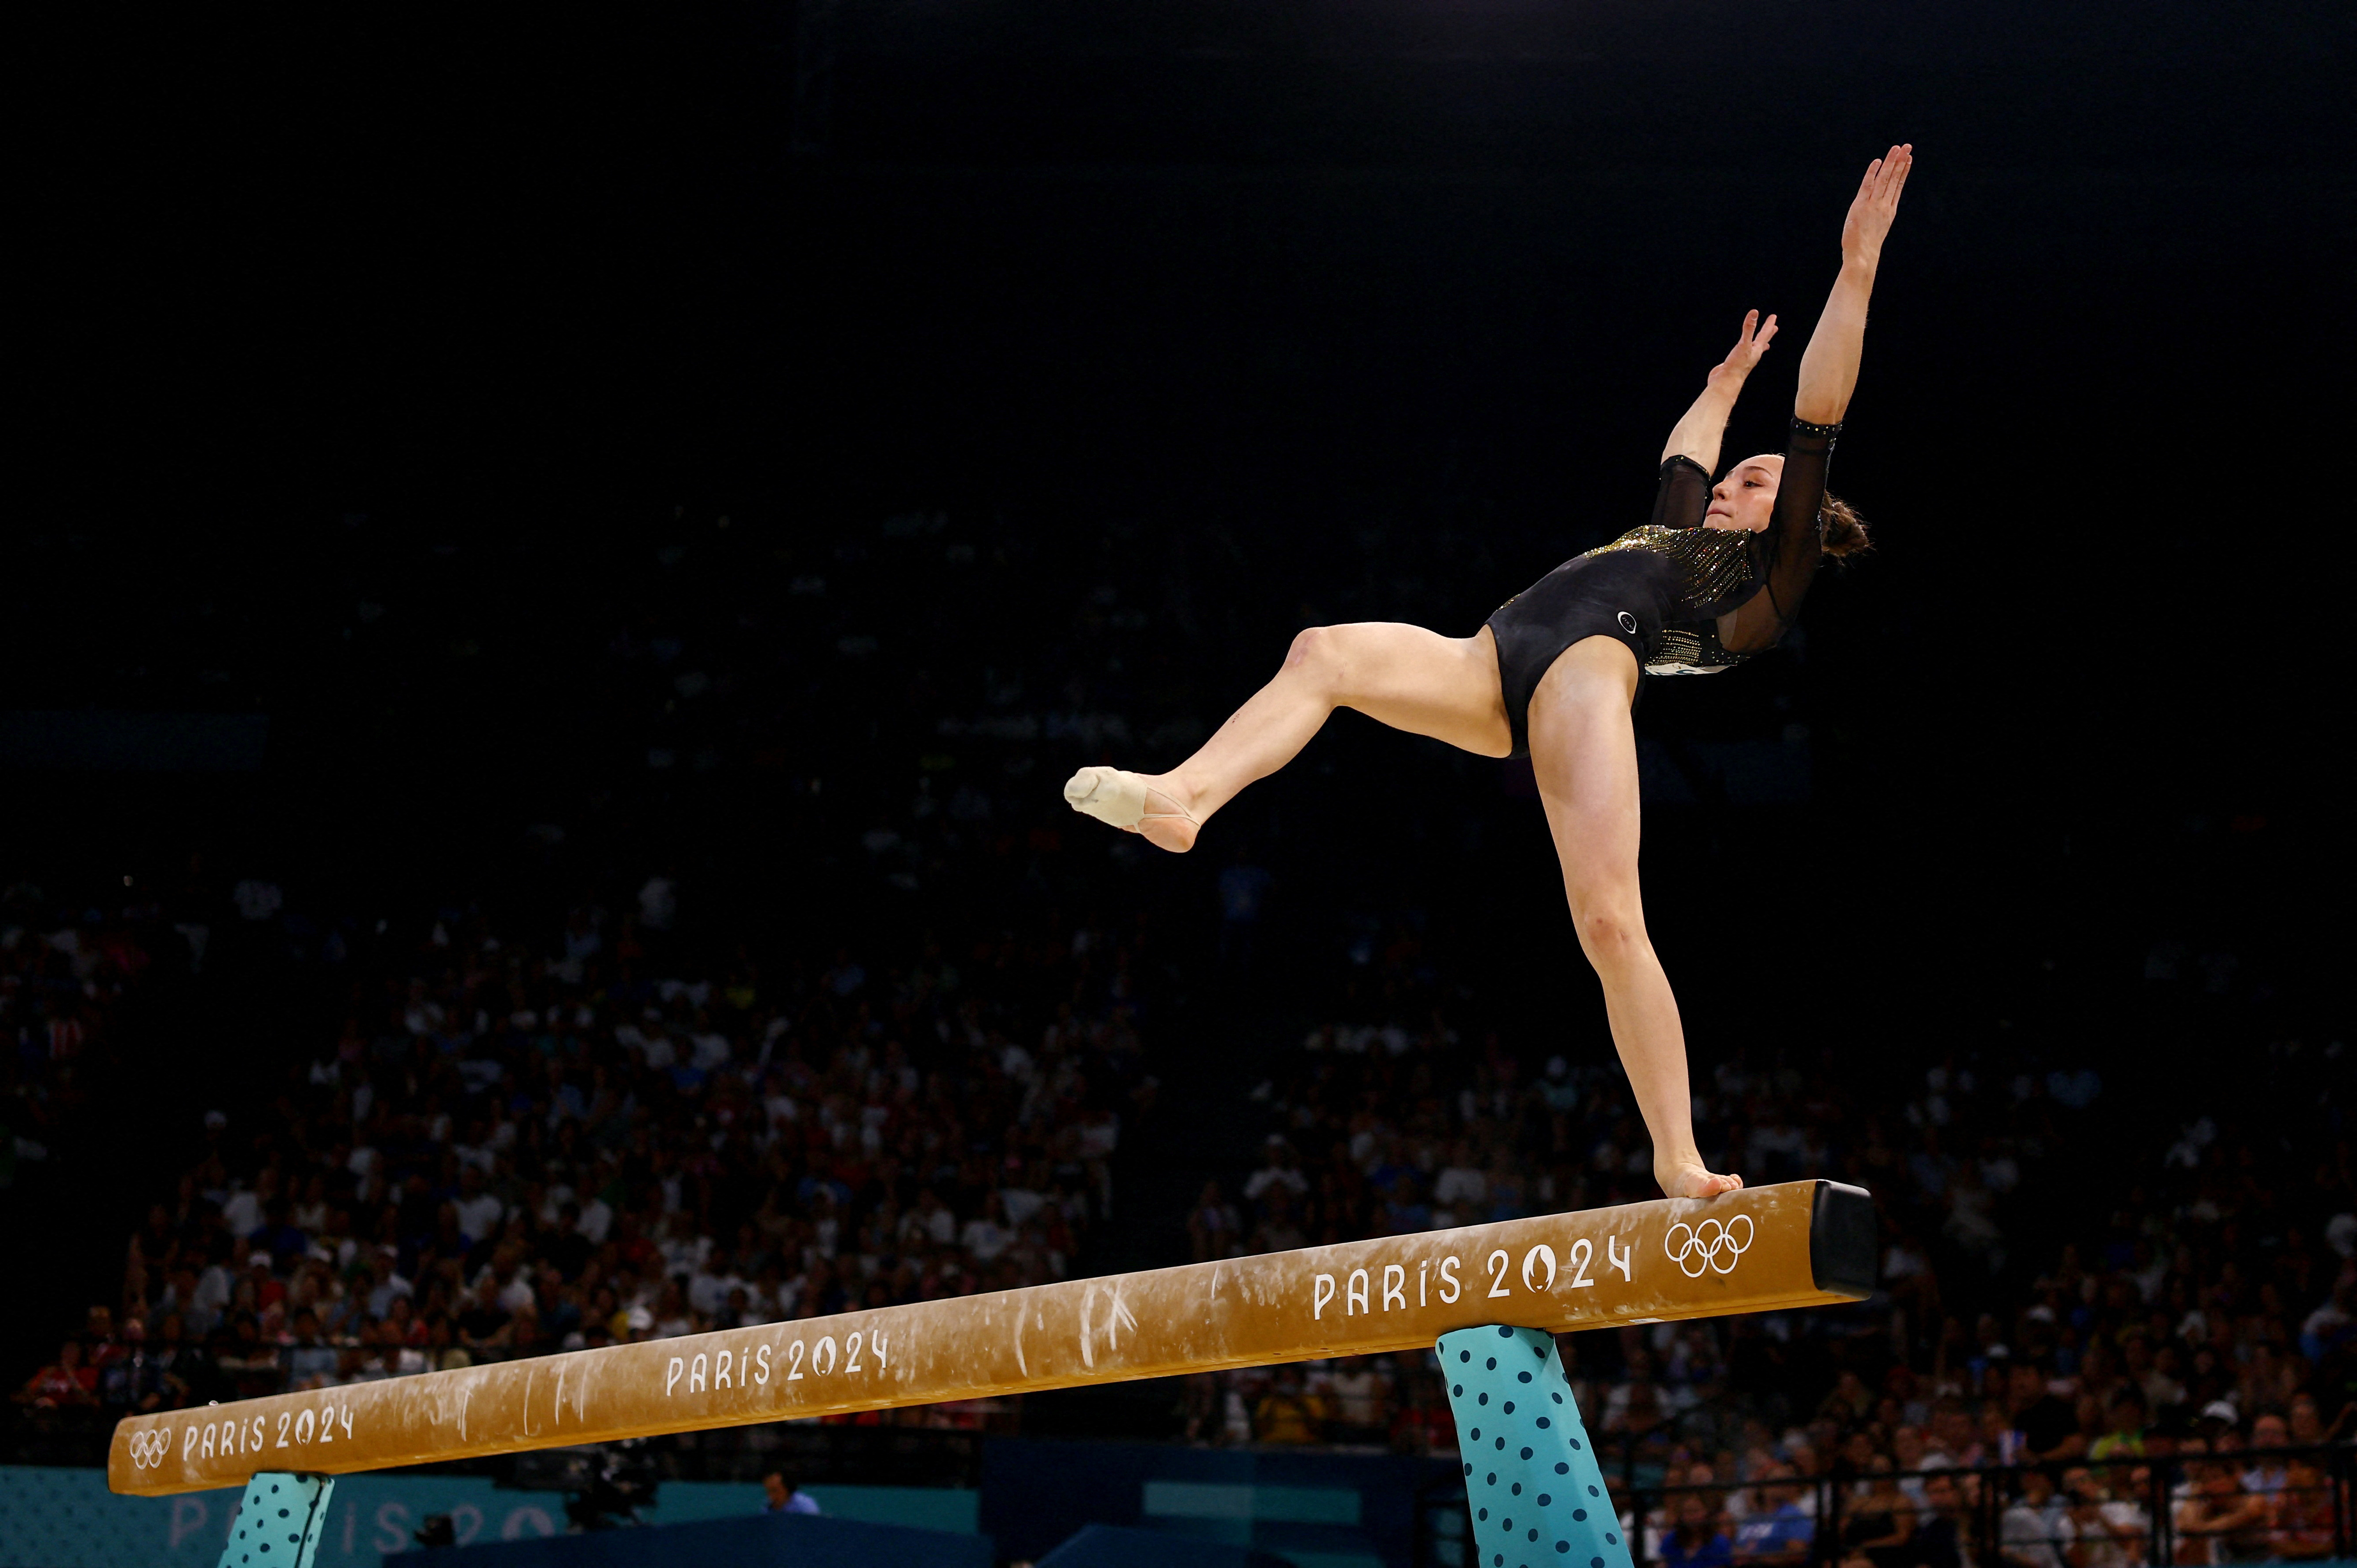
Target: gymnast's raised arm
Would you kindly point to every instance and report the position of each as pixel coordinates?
(1829, 364)
(1697, 434)
(1794, 542)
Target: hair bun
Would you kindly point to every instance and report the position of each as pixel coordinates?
(1840, 529)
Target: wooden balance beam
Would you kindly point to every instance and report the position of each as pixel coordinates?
(1760, 1250)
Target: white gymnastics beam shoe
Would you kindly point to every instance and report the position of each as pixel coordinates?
(1108, 794)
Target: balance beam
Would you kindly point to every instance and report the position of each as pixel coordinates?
(1760, 1250)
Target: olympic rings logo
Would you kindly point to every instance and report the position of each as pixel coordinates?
(150, 1447)
(1709, 1247)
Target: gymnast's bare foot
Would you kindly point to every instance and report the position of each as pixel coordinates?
(1692, 1179)
(1157, 807)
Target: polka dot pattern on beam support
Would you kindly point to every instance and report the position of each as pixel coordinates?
(1532, 1483)
(279, 1521)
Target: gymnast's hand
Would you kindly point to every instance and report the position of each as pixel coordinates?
(1876, 205)
(1756, 335)
(1697, 436)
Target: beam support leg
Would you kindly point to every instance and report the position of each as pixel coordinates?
(280, 1522)
(1532, 1483)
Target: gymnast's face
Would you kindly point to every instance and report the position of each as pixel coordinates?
(1745, 497)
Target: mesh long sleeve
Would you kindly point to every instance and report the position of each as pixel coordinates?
(1789, 548)
(1684, 495)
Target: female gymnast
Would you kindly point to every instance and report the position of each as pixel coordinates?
(1715, 578)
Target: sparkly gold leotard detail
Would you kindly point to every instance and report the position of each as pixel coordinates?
(1684, 598)
(1714, 561)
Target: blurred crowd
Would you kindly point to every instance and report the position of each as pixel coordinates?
(521, 1147)
(58, 990)
(2185, 1352)
(2220, 1488)
(601, 1134)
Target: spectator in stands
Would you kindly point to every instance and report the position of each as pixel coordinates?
(1280, 1169)
(1698, 1540)
(2266, 1475)
(1662, 1518)
(2301, 1527)
(780, 1495)
(2124, 1511)
(2048, 1423)
(1634, 1404)
(1776, 1532)
(2082, 1497)
(988, 1235)
(1879, 1524)
(1360, 1395)
(1461, 1190)
(928, 1220)
(309, 1363)
(1809, 1463)
(2035, 1532)
(2217, 1522)
(65, 1384)
(1425, 1424)
(1909, 1456)
(2124, 1436)
(1288, 1414)
(1213, 1227)
(478, 1212)
(1277, 1232)
(2306, 1427)
(151, 1377)
(1943, 1537)
(1849, 1402)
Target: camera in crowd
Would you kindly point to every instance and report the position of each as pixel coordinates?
(606, 1487)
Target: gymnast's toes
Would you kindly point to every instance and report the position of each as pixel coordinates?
(1696, 1181)
(1107, 794)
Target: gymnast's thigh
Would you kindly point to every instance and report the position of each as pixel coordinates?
(1584, 755)
(1418, 681)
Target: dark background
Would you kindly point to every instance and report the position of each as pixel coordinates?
(404, 374)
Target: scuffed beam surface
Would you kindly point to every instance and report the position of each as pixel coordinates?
(1748, 1251)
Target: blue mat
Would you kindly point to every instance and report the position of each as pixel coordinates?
(1111, 1546)
(767, 1541)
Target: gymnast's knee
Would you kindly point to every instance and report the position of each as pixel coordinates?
(1318, 654)
(1611, 931)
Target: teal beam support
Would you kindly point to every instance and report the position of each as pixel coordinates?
(280, 1522)
(1532, 1483)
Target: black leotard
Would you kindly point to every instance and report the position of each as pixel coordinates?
(1685, 599)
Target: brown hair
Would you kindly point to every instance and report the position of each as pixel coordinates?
(1842, 529)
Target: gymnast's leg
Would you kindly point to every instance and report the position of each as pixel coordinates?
(1584, 751)
(1404, 676)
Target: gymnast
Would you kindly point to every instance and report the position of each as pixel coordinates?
(1715, 577)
